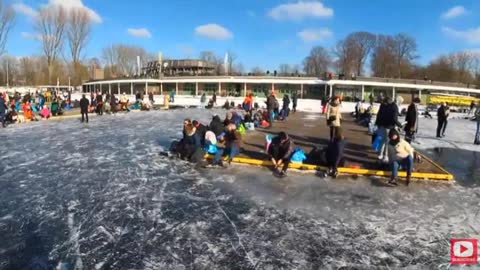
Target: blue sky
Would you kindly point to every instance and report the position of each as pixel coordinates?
(262, 33)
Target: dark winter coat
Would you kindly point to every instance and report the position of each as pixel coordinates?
(279, 150)
(271, 102)
(387, 116)
(216, 126)
(84, 105)
(442, 113)
(192, 141)
(294, 99)
(334, 153)
(201, 130)
(286, 102)
(412, 118)
(233, 138)
(2, 106)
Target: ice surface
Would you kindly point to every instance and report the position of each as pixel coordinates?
(99, 196)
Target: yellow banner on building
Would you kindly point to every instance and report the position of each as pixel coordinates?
(452, 100)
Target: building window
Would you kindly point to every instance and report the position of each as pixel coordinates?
(314, 91)
(188, 89)
(210, 88)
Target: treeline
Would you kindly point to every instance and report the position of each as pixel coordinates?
(390, 57)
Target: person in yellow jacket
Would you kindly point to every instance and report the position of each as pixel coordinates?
(401, 154)
(334, 116)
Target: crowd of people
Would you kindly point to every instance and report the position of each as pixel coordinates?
(33, 105)
(221, 138)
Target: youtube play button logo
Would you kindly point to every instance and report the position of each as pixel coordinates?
(463, 251)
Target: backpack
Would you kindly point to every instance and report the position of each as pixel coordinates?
(298, 155)
(241, 129)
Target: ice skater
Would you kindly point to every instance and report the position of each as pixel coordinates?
(84, 103)
(442, 117)
(411, 128)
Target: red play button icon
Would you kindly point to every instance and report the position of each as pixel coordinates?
(463, 251)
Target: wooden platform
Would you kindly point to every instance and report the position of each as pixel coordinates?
(310, 129)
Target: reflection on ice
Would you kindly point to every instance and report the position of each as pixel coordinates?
(101, 197)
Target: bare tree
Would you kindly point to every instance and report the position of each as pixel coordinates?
(257, 71)
(405, 50)
(79, 26)
(353, 51)
(383, 57)
(213, 59)
(232, 57)
(50, 25)
(7, 16)
(317, 62)
(285, 70)
(462, 62)
(109, 56)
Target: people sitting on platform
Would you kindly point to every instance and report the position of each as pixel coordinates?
(124, 103)
(216, 125)
(45, 112)
(226, 106)
(401, 155)
(56, 108)
(334, 153)
(201, 130)
(190, 147)
(280, 151)
(210, 104)
(229, 143)
(233, 118)
(28, 112)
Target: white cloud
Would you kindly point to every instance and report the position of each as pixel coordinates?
(28, 35)
(300, 10)
(318, 34)
(66, 4)
(139, 32)
(72, 4)
(454, 12)
(25, 10)
(213, 31)
(471, 35)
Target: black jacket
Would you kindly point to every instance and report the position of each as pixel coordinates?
(412, 118)
(279, 150)
(387, 116)
(271, 103)
(216, 126)
(334, 153)
(201, 130)
(3, 107)
(294, 99)
(286, 102)
(84, 104)
(442, 113)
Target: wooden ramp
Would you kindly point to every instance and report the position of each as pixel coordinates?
(309, 130)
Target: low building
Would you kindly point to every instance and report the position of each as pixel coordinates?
(178, 67)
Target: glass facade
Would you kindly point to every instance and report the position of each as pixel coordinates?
(314, 91)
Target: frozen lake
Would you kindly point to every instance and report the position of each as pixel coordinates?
(101, 197)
